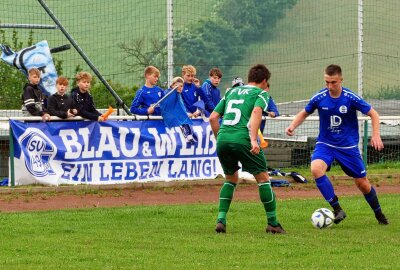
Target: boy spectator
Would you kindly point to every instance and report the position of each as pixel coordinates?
(191, 92)
(149, 94)
(210, 87)
(33, 98)
(60, 104)
(82, 100)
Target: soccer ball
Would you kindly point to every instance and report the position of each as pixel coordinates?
(322, 218)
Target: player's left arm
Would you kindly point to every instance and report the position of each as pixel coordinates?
(255, 121)
(376, 140)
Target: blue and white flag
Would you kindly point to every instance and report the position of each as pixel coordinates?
(173, 110)
(37, 56)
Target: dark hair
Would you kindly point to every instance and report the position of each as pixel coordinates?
(258, 73)
(215, 72)
(333, 70)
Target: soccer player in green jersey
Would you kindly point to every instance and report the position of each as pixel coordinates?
(241, 109)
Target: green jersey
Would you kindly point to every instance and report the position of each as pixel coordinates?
(236, 108)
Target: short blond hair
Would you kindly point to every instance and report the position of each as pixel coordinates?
(151, 70)
(176, 80)
(34, 71)
(189, 69)
(83, 75)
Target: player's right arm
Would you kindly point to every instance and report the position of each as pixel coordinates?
(214, 122)
(297, 121)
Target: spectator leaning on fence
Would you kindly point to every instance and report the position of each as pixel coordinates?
(33, 98)
(60, 104)
(210, 88)
(148, 94)
(192, 92)
(82, 100)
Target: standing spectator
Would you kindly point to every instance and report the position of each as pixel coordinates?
(60, 104)
(33, 98)
(82, 100)
(148, 95)
(210, 88)
(191, 92)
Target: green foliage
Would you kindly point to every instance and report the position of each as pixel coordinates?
(103, 98)
(253, 19)
(183, 237)
(221, 39)
(12, 80)
(386, 92)
(206, 44)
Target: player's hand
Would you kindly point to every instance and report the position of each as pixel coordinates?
(255, 148)
(70, 114)
(101, 119)
(377, 143)
(196, 82)
(150, 110)
(290, 131)
(196, 113)
(46, 117)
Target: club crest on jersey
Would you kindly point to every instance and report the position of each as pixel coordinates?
(38, 150)
(343, 109)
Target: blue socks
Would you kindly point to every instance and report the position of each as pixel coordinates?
(372, 200)
(326, 189)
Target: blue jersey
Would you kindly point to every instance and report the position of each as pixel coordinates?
(338, 124)
(213, 94)
(144, 98)
(191, 94)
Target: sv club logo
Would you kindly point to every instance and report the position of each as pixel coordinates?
(38, 150)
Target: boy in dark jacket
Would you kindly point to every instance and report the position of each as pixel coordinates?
(33, 98)
(60, 104)
(82, 100)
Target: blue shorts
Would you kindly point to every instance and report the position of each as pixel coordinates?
(349, 159)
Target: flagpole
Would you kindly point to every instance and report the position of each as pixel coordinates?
(164, 97)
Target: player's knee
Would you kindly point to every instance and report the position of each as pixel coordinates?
(363, 184)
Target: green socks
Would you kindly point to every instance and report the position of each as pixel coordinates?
(225, 198)
(267, 197)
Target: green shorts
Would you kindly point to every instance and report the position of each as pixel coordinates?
(230, 154)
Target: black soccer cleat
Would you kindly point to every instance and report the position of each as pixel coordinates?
(339, 216)
(382, 220)
(220, 228)
(275, 229)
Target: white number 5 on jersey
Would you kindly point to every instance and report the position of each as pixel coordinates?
(235, 111)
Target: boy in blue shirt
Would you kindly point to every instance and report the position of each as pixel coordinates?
(192, 92)
(210, 88)
(338, 140)
(149, 94)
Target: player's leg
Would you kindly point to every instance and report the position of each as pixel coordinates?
(372, 199)
(352, 164)
(225, 199)
(229, 163)
(257, 166)
(322, 158)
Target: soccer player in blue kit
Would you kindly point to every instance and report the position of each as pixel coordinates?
(338, 140)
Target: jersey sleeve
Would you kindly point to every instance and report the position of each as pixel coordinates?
(311, 106)
(262, 101)
(361, 105)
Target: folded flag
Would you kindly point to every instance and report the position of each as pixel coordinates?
(173, 110)
(202, 108)
(36, 56)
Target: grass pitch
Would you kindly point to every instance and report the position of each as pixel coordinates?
(183, 237)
